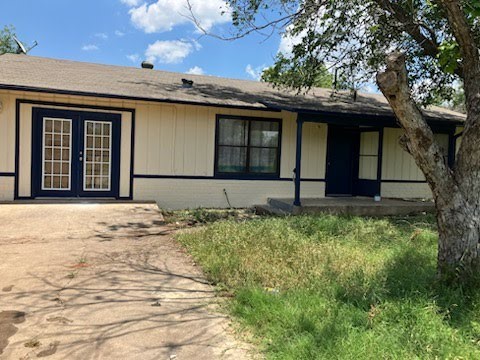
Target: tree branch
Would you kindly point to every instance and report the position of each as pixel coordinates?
(467, 167)
(421, 144)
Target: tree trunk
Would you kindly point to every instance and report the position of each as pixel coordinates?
(456, 193)
(458, 240)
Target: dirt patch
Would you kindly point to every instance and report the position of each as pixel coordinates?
(7, 288)
(52, 349)
(7, 327)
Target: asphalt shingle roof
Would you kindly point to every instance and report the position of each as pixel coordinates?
(25, 72)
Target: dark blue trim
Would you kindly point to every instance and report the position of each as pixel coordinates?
(78, 123)
(298, 162)
(17, 147)
(380, 158)
(71, 106)
(247, 175)
(7, 174)
(132, 98)
(368, 187)
(76, 106)
(355, 118)
(132, 153)
(192, 177)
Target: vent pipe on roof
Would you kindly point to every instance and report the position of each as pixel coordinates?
(187, 83)
(147, 65)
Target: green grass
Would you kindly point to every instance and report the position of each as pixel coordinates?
(327, 287)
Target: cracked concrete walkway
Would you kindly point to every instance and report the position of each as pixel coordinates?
(103, 282)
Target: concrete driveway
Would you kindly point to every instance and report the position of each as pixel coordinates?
(86, 281)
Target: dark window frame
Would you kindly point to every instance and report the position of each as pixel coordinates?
(247, 174)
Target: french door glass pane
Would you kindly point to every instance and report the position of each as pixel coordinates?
(97, 164)
(232, 159)
(56, 154)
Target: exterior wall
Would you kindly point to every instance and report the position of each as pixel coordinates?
(179, 140)
(7, 185)
(406, 190)
(173, 159)
(172, 142)
(397, 164)
(401, 177)
(193, 193)
(7, 147)
(7, 130)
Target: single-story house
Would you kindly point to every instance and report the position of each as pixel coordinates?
(71, 129)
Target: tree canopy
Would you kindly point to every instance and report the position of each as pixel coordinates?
(353, 36)
(7, 43)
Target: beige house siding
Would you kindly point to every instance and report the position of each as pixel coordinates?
(406, 190)
(170, 140)
(7, 187)
(7, 135)
(397, 164)
(193, 193)
(174, 154)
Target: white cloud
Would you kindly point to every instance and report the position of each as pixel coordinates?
(89, 47)
(164, 15)
(135, 58)
(119, 33)
(255, 72)
(131, 3)
(102, 36)
(288, 41)
(196, 70)
(169, 51)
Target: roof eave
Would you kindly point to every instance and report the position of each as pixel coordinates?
(131, 98)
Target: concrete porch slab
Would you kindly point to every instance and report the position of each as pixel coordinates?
(359, 206)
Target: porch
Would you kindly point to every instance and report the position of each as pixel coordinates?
(359, 206)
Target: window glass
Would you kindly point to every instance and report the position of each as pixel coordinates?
(263, 160)
(247, 147)
(264, 133)
(232, 159)
(232, 132)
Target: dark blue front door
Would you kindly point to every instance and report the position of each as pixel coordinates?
(342, 161)
(75, 153)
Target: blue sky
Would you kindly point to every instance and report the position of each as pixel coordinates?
(125, 32)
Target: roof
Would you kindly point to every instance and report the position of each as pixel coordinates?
(25, 72)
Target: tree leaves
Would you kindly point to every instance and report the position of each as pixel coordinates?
(449, 56)
(7, 44)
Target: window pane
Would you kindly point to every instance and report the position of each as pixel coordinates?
(264, 133)
(263, 160)
(232, 159)
(232, 132)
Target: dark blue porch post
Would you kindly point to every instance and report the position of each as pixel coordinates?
(298, 162)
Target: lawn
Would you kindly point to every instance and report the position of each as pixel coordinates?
(328, 287)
